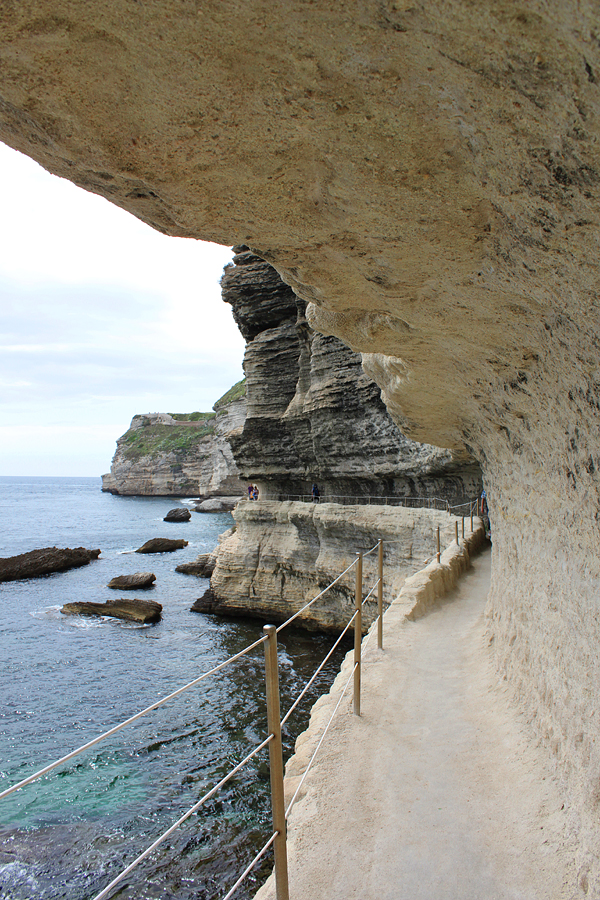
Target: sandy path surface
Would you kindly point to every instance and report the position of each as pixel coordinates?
(438, 791)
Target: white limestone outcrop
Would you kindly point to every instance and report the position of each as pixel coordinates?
(281, 554)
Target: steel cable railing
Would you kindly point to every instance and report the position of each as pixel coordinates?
(249, 868)
(318, 597)
(275, 723)
(318, 747)
(106, 891)
(116, 728)
(318, 669)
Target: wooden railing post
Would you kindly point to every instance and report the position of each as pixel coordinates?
(471, 518)
(380, 595)
(357, 634)
(437, 555)
(463, 528)
(276, 763)
(456, 530)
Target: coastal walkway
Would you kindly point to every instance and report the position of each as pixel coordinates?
(438, 791)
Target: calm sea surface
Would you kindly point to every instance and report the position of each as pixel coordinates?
(63, 680)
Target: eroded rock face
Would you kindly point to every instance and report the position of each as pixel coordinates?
(282, 554)
(312, 413)
(163, 455)
(427, 178)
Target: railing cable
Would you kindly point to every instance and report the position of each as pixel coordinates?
(317, 748)
(370, 592)
(310, 603)
(249, 868)
(104, 893)
(308, 683)
(131, 719)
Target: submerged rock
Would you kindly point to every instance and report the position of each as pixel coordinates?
(132, 582)
(162, 545)
(36, 563)
(143, 611)
(179, 514)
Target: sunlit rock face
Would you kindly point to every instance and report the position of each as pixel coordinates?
(426, 177)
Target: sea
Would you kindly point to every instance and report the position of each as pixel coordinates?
(66, 679)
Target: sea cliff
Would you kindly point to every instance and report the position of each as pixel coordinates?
(313, 415)
(180, 455)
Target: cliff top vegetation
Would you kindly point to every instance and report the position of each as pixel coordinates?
(156, 440)
(234, 393)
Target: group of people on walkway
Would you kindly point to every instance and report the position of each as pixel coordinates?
(252, 492)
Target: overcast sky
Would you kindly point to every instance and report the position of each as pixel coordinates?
(100, 318)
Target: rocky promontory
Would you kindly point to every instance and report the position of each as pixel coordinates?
(281, 554)
(180, 454)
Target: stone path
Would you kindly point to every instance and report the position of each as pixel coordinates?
(438, 791)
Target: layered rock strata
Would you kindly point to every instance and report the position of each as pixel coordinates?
(144, 612)
(185, 456)
(427, 178)
(313, 415)
(282, 554)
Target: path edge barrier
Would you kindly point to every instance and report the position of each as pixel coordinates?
(420, 593)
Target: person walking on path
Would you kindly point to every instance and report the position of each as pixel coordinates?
(315, 493)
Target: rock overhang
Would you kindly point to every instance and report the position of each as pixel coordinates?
(426, 176)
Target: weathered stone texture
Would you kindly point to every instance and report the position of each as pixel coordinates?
(427, 177)
(203, 466)
(312, 413)
(281, 555)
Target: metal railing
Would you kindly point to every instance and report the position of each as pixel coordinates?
(368, 500)
(275, 722)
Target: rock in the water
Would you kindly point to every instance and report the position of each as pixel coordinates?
(218, 504)
(162, 545)
(203, 565)
(44, 562)
(179, 514)
(142, 611)
(132, 582)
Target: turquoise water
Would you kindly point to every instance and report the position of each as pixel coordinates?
(66, 679)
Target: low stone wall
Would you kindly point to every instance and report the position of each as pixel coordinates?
(419, 593)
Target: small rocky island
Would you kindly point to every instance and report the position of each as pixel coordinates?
(137, 581)
(36, 563)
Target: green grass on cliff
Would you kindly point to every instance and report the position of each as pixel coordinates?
(155, 440)
(234, 393)
(192, 417)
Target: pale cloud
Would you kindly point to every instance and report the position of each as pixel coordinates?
(100, 318)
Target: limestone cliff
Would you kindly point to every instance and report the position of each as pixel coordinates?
(313, 415)
(180, 455)
(281, 554)
(427, 178)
